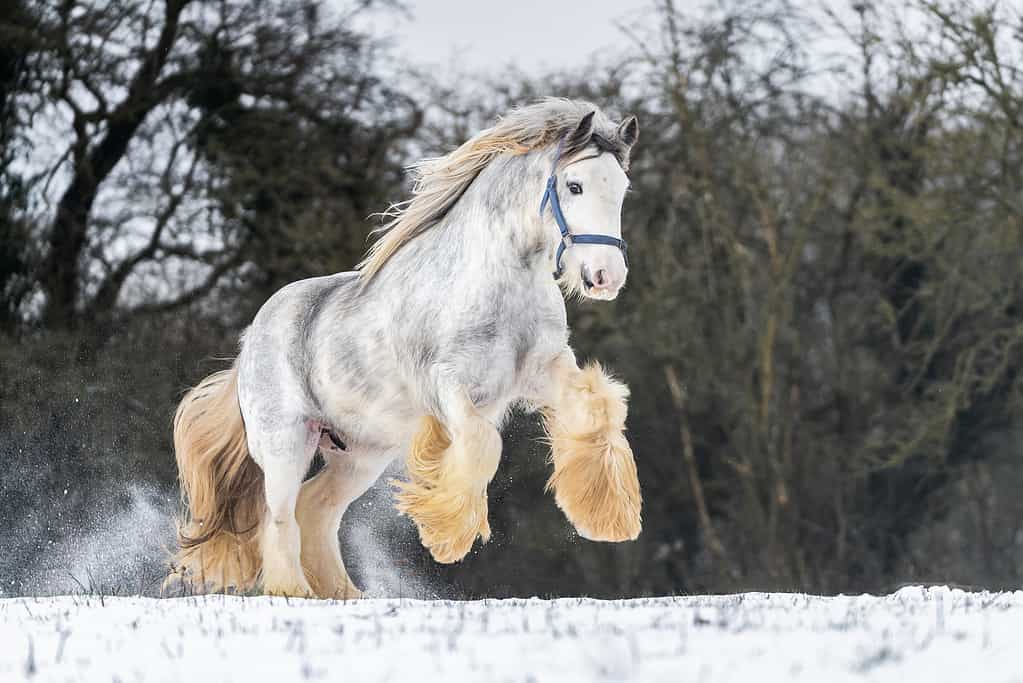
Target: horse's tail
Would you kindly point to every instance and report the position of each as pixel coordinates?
(221, 489)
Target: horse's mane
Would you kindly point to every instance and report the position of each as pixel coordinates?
(439, 182)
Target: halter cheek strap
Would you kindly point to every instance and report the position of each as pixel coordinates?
(550, 195)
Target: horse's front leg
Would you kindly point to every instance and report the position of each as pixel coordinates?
(450, 464)
(594, 481)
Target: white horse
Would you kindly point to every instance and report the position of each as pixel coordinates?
(451, 320)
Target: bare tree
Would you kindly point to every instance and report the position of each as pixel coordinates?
(188, 123)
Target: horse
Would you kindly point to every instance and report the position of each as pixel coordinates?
(456, 315)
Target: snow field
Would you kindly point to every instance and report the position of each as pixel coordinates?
(915, 634)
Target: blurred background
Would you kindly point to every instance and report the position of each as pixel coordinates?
(823, 328)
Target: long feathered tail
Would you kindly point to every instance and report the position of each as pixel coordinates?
(221, 489)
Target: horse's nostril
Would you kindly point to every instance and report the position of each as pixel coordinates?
(601, 278)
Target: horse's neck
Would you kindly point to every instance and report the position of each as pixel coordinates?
(496, 222)
(490, 245)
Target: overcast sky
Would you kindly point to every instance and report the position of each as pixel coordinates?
(531, 34)
(453, 37)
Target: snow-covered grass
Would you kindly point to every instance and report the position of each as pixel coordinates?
(916, 634)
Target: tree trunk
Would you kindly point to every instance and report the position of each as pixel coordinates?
(60, 275)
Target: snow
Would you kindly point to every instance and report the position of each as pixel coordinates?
(915, 634)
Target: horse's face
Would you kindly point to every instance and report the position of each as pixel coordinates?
(592, 188)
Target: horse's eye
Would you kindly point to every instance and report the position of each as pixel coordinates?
(575, 188)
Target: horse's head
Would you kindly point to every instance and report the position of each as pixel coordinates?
(585, 192)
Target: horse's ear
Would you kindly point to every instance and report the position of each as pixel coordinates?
(582, 133)
(628, 131)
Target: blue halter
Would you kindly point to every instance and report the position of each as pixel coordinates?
(567, 238)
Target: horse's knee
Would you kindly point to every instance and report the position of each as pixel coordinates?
(589, 399)
(282, 521)
(280, 510)
(478, 450)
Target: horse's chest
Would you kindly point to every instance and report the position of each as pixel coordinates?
(525, 346)
(538, 344)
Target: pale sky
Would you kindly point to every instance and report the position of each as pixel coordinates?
(456, 37)
(531, 34)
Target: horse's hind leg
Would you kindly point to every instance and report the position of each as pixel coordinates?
(449, 469)
(284, 455)
(322, 503)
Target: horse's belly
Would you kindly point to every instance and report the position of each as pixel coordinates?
(386, 422)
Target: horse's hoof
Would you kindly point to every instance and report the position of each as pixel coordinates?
(288, 590)
(349, 592)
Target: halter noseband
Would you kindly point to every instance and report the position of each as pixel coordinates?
(567, 238)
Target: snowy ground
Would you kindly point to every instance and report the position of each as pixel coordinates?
(916, 634)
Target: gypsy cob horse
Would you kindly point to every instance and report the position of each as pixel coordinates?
(456, 315)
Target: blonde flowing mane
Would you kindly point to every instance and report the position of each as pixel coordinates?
(439, 182)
